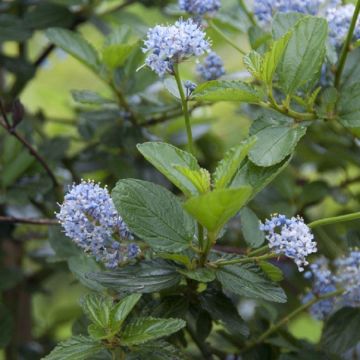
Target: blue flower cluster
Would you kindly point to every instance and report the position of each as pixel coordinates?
(264, 10)
(339, 19)
(323, 283)
(212, 67)
(200, 7)
(338, 16)
(348, 276)
(168, 45)
(290, 237)
(90, 219)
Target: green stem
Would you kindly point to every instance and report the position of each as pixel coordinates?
(290, 316)
(247, 12)
(259, 250)
(335, 219)
(245, 260)
(289, 112)
(225, 37)
(210, 241)
(201, 236)
(185, 108)
(346, 47)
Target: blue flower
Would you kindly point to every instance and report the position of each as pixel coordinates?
(323, 282)
(169, 45)
(89, 218)
(264, 10)
(339, 19)
(200, 7)
(348, 277)
(290, 237)
(212, 68)
(189, 87)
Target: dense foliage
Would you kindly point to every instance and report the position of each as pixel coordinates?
(202, 200)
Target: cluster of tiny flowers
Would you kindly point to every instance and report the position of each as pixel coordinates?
(167, 45)
(189, 87)
(339, 20)
(212, 67)
(323, 282)
(290, 237)
(200, 7)
(89, 218)
(348, 277)
(264, 10)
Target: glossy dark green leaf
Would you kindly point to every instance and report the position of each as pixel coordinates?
(75, 348)
(253, 236)
(348, 106)
(75, 45)
(143, 330)
(304, 55)
(341, 331)
(249, 281)
(256, 176)
(146, 277)
(222, 309)
(277, 139)
(154, 214)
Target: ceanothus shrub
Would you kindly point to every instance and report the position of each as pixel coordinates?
(197, 253)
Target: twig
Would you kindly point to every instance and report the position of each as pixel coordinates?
(4, 122)
(346, 47)
(287, 318)
(33, 221)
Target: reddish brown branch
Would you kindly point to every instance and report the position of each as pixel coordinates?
(33, 221)
(11, 130)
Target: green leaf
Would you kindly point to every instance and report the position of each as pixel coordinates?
(342, 330)
(75, 348)
(254, 64)
(199, 178)
(154, 214)
(222, 309)
(75, 45)
(159, 350)
(304, 55)
(276, 140)
(46, 14)
(115, 55)
(214, 209)
(201, 274)
(273, 57)
(14, 169)
(283, 22)
(249, 281)
(257, 177)
(348, 106)
(217, 90)
(123, 308)
(97, 308)
(82, 264)
(164, 156)
(146, 329)
(146, 277)
(228, 167)
(89, 97)
(272, 271)
(7, 326)
(13, 29)
(63, 246)
(253, 236)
